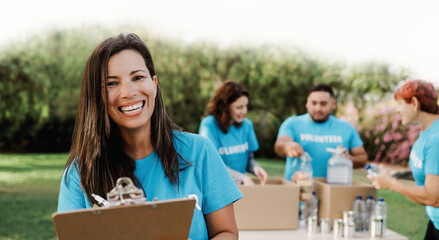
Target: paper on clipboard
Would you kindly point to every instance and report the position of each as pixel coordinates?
(168, 219)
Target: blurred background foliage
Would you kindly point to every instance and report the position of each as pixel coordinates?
(40, 81)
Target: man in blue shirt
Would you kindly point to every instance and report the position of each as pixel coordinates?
(315, 131)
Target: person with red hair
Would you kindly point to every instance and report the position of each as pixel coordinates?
(417, 104)
(232, 133)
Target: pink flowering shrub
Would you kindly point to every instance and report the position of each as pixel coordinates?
(385, 138)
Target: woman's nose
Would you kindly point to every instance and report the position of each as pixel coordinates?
(128, 89)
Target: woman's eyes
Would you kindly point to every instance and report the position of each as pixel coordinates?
(114, 83)
(139, 77)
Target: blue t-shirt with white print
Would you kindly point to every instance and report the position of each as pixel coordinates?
(424, 159)
(315, 138)
(233, 146)
(207, 178)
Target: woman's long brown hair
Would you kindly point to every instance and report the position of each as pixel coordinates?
(96, 143)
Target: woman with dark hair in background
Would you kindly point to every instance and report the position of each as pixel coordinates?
(123, 130)
(231, 133)
(417, 104)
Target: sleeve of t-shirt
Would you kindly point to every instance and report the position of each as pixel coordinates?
(207, 130)
(219, 189)
(71, 196)
(286, 128)
(355, 139)
(252, 140)
(432, 156)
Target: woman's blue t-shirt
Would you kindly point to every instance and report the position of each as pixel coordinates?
(424, 159)
(233, 146)
(207, 178)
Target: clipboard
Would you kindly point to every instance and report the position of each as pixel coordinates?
(168, 219)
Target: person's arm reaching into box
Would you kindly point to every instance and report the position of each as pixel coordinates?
(285, 146)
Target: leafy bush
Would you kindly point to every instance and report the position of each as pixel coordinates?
(386, 139)
(40, 81)
(266, 127)
(39, 87)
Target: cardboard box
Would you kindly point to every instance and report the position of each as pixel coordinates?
(334, 199)
(274, 205)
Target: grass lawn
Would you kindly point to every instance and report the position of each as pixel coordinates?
(29, 185)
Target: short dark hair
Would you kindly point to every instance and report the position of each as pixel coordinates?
(321, 87)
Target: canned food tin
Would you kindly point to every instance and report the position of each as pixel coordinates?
(312, 224)
(338, 228)
(348, 217)
(349, 230)
(325, 225)
(376, 227)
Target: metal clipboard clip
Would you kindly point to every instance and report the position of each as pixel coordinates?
(124, 193)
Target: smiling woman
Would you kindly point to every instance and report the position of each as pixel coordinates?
(231, 133)
(131, 93)
(122, 130)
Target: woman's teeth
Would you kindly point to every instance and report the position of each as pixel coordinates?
(133, 108)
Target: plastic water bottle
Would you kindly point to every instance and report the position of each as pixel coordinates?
(339, 168)
(313, 206)
(310, 208)
(381, 211)
(372, 169)
(359, 209)
(305, 184)
(370, 208)
(305, 164)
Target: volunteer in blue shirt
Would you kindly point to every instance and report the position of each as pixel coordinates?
(231, 133)
(315, 131)
(417, 104)
(123, 130)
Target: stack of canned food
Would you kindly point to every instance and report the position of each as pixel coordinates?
(362, 218)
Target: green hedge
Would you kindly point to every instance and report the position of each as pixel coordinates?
(40, 80)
